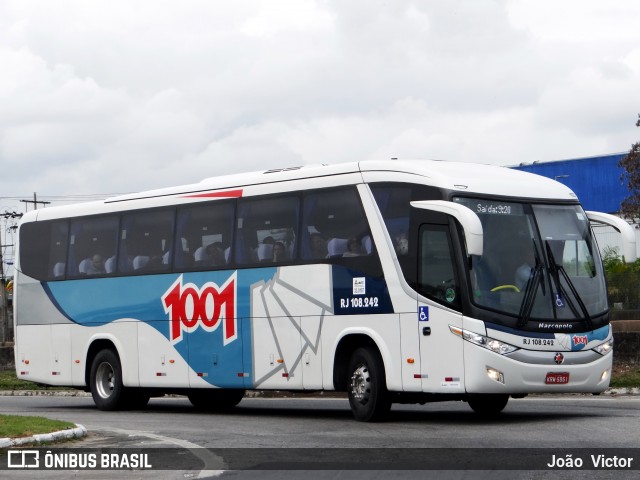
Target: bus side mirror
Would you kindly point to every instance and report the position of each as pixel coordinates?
(465, 216)
(626, 231)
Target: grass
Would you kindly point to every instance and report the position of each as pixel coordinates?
(15, 426)
(9, 381)
(625, 376)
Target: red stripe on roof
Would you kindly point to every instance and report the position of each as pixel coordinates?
(226, 194)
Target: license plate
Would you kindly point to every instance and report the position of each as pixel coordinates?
(557, 378)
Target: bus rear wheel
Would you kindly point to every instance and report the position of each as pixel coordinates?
(368, 396)
(488, 405)
(215, 400)
(107, 389)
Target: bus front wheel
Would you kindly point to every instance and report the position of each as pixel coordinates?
(368, 395)
(488, 404)
(106, 385)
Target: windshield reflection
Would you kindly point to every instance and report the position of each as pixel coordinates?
(539, 262)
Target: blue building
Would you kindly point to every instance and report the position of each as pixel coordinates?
(596, 180)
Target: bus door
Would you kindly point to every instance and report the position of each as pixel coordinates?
(439, 305)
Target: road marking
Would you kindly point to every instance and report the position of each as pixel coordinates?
(208, 457)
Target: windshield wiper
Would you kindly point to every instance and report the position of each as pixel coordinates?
(557, 270)
(530, 295)
(531, 290)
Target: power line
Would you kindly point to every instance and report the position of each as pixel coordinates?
(58, 198)
(35, 201)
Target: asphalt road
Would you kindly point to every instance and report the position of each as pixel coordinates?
(303, 433)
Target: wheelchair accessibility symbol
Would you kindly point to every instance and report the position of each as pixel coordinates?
(559, 302)
(423, 314)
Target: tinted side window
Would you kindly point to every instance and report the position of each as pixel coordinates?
(436, 268)
(267, 230)
(146, 241)
(92, 246)
(335, 226)
(204, 236)
(43, 249)
(394, 202)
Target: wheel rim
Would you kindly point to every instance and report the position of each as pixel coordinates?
(360, 380)
(105, 380)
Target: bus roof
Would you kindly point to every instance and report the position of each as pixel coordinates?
(467, 178)
(471, 177)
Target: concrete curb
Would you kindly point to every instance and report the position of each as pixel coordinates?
(264, 393)
(622, 391)
(67, 434)
(44, 393)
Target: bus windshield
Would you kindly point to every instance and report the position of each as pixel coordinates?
(540, 262)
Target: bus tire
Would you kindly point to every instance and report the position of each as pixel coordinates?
(367, 386)
(488, 405)
(135, 399)
(107, 389)
(215, 400)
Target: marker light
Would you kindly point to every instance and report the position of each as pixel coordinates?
(489, 343)
(605, 347)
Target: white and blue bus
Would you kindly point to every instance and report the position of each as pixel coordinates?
(395, 281)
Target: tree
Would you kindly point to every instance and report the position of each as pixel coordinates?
(622, 280)
(630, 207)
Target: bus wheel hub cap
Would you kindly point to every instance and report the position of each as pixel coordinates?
(359, 384)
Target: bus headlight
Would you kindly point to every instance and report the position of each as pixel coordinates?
(489, 343)
(605, 347)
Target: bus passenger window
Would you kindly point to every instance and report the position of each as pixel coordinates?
(204, 236)
(335, 225)
(43, 249)
(267, 230)
(394, 203)
(92, 241)
(146, 241)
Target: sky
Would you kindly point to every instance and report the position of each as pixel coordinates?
(104, 97)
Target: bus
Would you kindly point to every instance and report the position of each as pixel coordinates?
(393, 281)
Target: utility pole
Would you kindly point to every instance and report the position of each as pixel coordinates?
(35, 201)
(4, 308)
(6, 333)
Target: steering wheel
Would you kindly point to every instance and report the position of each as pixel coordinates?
(505, 287)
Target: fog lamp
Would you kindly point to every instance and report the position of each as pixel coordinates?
(496, 375)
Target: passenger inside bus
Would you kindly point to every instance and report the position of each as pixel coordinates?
(354, 248)
(279, 252)
(318, 246)
(523, 272)
(95, 266)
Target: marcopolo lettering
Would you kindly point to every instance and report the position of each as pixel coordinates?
(191, 307)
